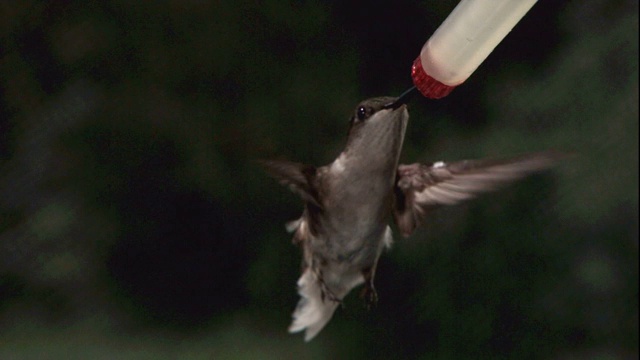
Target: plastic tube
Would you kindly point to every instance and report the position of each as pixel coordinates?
(463, 41)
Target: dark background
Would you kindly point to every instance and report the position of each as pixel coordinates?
(134, 223)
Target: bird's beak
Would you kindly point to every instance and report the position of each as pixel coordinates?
(402, 99)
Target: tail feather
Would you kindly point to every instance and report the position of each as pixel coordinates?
(312, 312)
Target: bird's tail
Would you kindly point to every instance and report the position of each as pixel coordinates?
(313, 312)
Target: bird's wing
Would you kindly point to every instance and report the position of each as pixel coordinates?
(300, 178)
(421, 187)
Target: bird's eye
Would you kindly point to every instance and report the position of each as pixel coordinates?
(361, 113)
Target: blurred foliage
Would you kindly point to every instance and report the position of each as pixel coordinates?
(135, 224)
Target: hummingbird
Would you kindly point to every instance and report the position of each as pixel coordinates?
(348, 203)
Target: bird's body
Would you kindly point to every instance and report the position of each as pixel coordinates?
(343, 237)
(348, 204)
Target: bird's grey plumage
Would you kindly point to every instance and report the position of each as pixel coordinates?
(344, 225)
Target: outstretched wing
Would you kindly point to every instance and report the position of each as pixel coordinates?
(421, 187)
(300, 178)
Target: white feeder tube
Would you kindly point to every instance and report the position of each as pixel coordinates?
(467, 37)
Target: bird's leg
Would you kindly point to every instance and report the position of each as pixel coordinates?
(369, 292)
